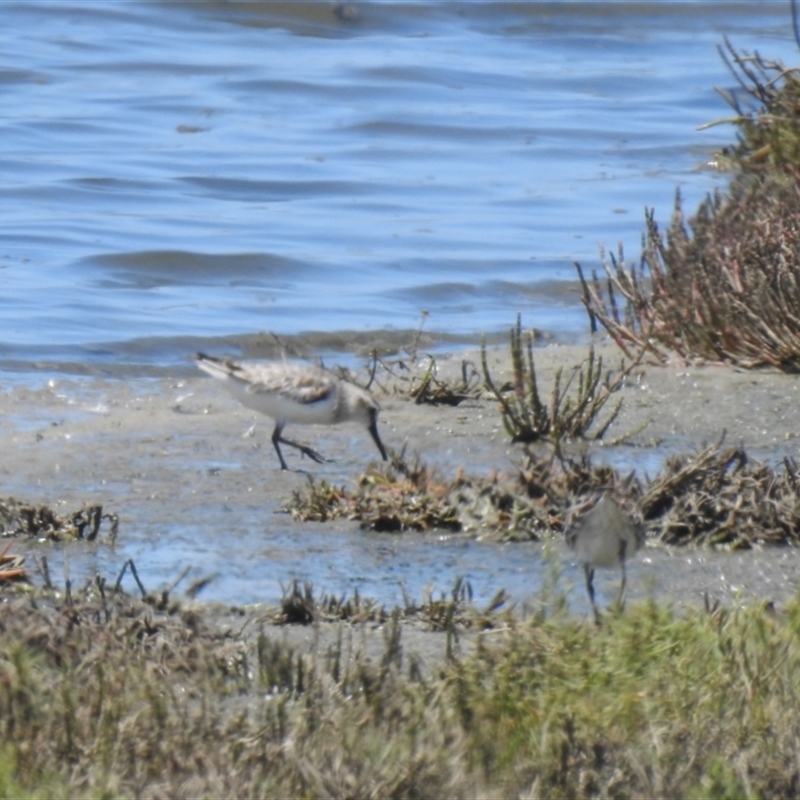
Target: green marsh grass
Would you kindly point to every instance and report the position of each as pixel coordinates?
(117, 698)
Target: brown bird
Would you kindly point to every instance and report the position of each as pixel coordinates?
(604, 530)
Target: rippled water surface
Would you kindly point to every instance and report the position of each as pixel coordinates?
(175, 172)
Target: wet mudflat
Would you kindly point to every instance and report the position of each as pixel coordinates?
(195, 482)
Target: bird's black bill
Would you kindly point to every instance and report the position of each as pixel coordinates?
(373, 429)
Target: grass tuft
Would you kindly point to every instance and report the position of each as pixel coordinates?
(527, 418)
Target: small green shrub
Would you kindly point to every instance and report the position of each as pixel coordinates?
(527, 418)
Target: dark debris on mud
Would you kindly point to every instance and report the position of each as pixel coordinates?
(42, 522)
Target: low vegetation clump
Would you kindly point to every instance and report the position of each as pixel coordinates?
(728, 291)
(724, 286)
(108, 695)
(450, 614)
(410, 496)
(401, 496)
(528, 418)
(40, 521)
(416, 375)
(724, 497)
(421, 381)
(718, 496)
(300, 607)
(432, 390)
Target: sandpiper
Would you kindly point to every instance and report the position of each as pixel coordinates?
(298, 393)
(604, 530)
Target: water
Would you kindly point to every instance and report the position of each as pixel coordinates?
(183, 175)
(175, 173)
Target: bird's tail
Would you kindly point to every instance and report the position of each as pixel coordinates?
(216, 367)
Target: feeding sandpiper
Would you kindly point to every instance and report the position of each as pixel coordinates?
(298, 393)
(604, 530)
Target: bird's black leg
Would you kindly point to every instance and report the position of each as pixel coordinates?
(621, 598)
(373, 430)
(623, 546)
(306, 451)
(276, 437)
(589, 572)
